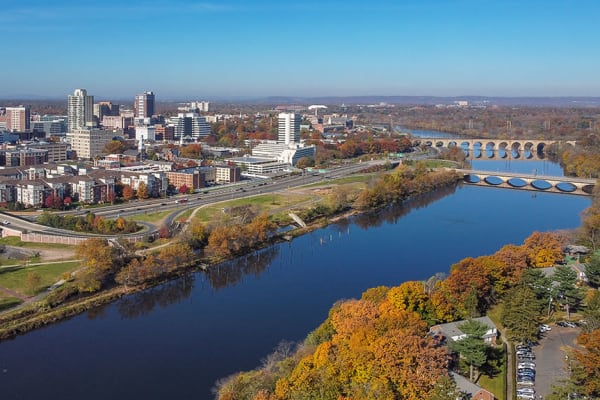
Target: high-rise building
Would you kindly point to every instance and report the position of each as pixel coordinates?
(144, 105)
(80, 110)
(105, 109)
(16, 119)
(289, 128)
(190, 126)
(88, 143)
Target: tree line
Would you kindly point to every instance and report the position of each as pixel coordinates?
(378, 347)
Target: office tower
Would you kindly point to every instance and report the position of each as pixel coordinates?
(80, 110)
(144, 105)
(190, 126)
(289, 128)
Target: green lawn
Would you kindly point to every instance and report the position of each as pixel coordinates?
(7, 302)
(267, 203)
(150, 216)
(48, 275)
(17, 242)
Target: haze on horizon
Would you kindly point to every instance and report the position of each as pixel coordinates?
(235, 48)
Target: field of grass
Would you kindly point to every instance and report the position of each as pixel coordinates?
(268, 203)
(7, 302)
(48, 274)
(17, 242)
(150, 217)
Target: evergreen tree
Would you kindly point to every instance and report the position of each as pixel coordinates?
(472, 348)
(521, 314)
(567, 291)
(592, 270)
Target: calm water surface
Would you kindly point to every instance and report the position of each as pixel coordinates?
(176, 340)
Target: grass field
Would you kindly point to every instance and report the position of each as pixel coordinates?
(8, 302)
(150, 217)
(15, 241)
(268, 203)
(48, 274)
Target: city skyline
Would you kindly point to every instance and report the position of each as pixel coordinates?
(231, 48)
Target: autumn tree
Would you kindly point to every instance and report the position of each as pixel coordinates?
(142, 191)
(32, 281)
(114, 147)
(97, 261)
(128, 193)
(543, 249)
(588, 359)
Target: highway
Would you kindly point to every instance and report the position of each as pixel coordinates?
(206, 196)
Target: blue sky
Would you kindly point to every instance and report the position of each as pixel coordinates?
(203, 49)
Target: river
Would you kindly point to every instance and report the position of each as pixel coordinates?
(176, 340)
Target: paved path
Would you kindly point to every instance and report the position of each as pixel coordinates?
(12, 293)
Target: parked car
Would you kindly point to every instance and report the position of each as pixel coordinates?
(526, 371)
(526, 357)
(545, 328)
(526, 364)
(525, 390)
(567, 324)
(525, 380)
(6, 222)
(527, 396)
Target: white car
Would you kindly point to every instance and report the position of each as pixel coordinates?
(6, 222)
(526, 364)
(545, 328)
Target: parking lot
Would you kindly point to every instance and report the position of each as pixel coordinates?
(551, 364)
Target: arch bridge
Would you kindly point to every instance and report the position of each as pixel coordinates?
(532, 145)
(542, 183)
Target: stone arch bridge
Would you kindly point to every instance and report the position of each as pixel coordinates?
(542, 183)
(532, 145)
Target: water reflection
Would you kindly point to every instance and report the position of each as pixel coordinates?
(143, 303)
(393, 213)
(232, 272)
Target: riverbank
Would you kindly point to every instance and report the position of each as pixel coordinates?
(45, 311)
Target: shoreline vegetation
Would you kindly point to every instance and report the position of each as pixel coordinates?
(110, 272)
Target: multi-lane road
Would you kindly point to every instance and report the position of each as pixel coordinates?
(246, 188)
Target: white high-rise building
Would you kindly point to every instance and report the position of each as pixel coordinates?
(80, 110)
(289, 128)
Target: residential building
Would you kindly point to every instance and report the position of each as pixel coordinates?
(451, 330)
(116, 122)
(164, 132)
(475, 391)
(144, 105)
(105, 109)
(56, 151)
(16, 119)
(190, 178)
(289, 128)
(80, 110)
(31, 193)
(23, 157)
(228, 174)
(89, 143)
